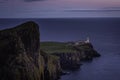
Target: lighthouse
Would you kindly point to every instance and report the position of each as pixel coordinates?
(88, 40)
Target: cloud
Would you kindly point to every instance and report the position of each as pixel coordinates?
(102, 10)
(3, 1)
(32, 0)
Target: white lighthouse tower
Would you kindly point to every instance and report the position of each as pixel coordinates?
(88, 40)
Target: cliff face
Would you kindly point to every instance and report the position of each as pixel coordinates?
(70, 55)
(20, 57)
(72, 60)
(69, 61)
(52, 67)
(87, 51)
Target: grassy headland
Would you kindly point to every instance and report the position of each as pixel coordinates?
(57, 47)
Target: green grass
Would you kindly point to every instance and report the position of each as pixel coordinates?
(56, 47)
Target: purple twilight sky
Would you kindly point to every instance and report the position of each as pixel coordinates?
(59, 8)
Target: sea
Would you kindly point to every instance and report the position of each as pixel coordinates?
(104, 34)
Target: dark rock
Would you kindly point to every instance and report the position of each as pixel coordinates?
(20, 56)
(69, 61)
(72, 61)
(87, 51)
(19, 50)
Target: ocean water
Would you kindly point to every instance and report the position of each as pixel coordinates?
(104, 34)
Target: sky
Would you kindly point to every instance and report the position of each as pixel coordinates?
(58, 8)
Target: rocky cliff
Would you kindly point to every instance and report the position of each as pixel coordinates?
(87, 51)
(21, 58)
(69, 61)
(70, 55)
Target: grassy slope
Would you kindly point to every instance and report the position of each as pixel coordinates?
(56, 47)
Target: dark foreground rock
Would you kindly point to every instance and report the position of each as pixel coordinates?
(20, 56)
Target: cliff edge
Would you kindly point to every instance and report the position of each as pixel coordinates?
(69, 53)
(20, 55)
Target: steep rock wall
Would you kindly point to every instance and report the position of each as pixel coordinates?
(20, 56)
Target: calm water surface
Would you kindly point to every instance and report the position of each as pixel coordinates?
(107, 67)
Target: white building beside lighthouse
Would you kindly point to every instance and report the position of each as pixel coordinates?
(82, 42)
(88, 40)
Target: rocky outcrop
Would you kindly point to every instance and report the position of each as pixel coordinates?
(72, 60)
(87, 51)
(69, 61)
(52, 67)
(20, 56)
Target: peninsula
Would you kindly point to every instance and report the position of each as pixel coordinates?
(24, 57)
